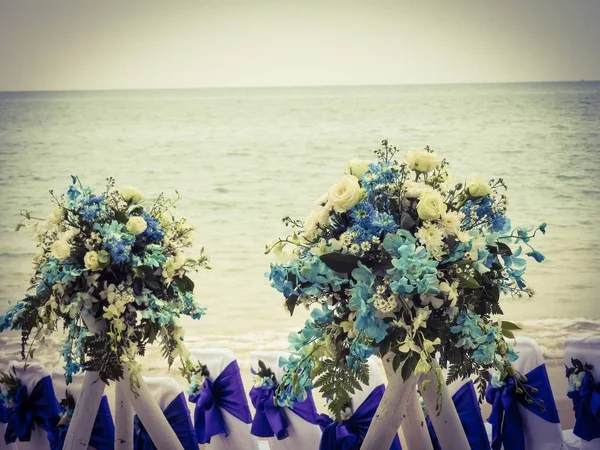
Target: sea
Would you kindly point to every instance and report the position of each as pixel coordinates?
(243, 158)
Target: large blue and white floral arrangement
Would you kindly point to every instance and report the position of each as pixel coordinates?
(108, 256)
(395, 258)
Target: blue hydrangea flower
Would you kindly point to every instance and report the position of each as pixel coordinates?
(154, 231)
(116, 240)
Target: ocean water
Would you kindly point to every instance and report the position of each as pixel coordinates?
(243, 158)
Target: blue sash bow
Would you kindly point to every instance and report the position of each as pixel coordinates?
(270, 419)
(469, 413)
(350, 434)
(103, 432)
(39, 408)
(226, 392)
(586, 404)
(178, 416)
(3, 412)
(507, 425)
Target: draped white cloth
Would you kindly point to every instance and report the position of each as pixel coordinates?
(302, 434)
(539, 433)
(29, 376)
(239, 437)
(587, 350)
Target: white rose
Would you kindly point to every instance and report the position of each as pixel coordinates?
(346, 194)
(131, 194)
(56, 215)
(357, 167)
(420, 161)
(136, 225)
(477, 186)
(91, 262)
(431, 206)
(60, 249)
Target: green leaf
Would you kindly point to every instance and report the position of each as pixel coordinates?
(409, 367)
(506, 325)
(508, 334)
(290, 303)
(184, 283)
(396, 362)
(468, 281)
(19, 226)
(340, 263)
(504, 249)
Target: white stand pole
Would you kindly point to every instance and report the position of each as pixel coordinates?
(123, 420)
(150, 414)
(143, 403)
(86, 408)
(391, 411)
(447, 426)
(414, 426)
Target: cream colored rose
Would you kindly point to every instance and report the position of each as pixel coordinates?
(131, 194)
(477, 186)
(136, 225)
(431, 206)
(60, 249)
(421, 161)
(357, 167)
(56, 215)
(91, 262)
(345, 194)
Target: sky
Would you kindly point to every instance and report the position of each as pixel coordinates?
(144, 44)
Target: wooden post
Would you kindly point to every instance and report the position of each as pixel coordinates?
(414, 427)
(86, 408)
(447, 426)
(123, 420)
(143, 403)
(391, 411)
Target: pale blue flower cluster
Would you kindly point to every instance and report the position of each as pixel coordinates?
(116, 240)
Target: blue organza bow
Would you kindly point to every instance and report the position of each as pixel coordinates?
(39, 408)
(350, 434)
(270, 420)
(226, 392)
(469, 413)
(507, 425)
(103, 432)
(586, 404)
(178, 416)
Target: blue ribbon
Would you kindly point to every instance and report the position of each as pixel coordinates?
(3, 412)
(39, 408)
(586, 404)
(507, 425)
(270, 419)
(178, 416)
(350, 434)
(226, 392)
(467, 406)
(103, 431)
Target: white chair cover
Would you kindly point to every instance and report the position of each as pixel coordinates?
(3, 445)
(29, 377)
(239, 437)
(302, 434)
(585, 349)
(539, 434)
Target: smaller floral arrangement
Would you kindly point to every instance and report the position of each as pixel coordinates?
(9, 385)
(577, 373)
(106, 258)
(196, 374)
(264, 377)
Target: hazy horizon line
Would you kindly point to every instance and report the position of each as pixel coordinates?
(298, 86)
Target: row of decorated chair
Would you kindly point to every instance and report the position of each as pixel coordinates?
(220, 416)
